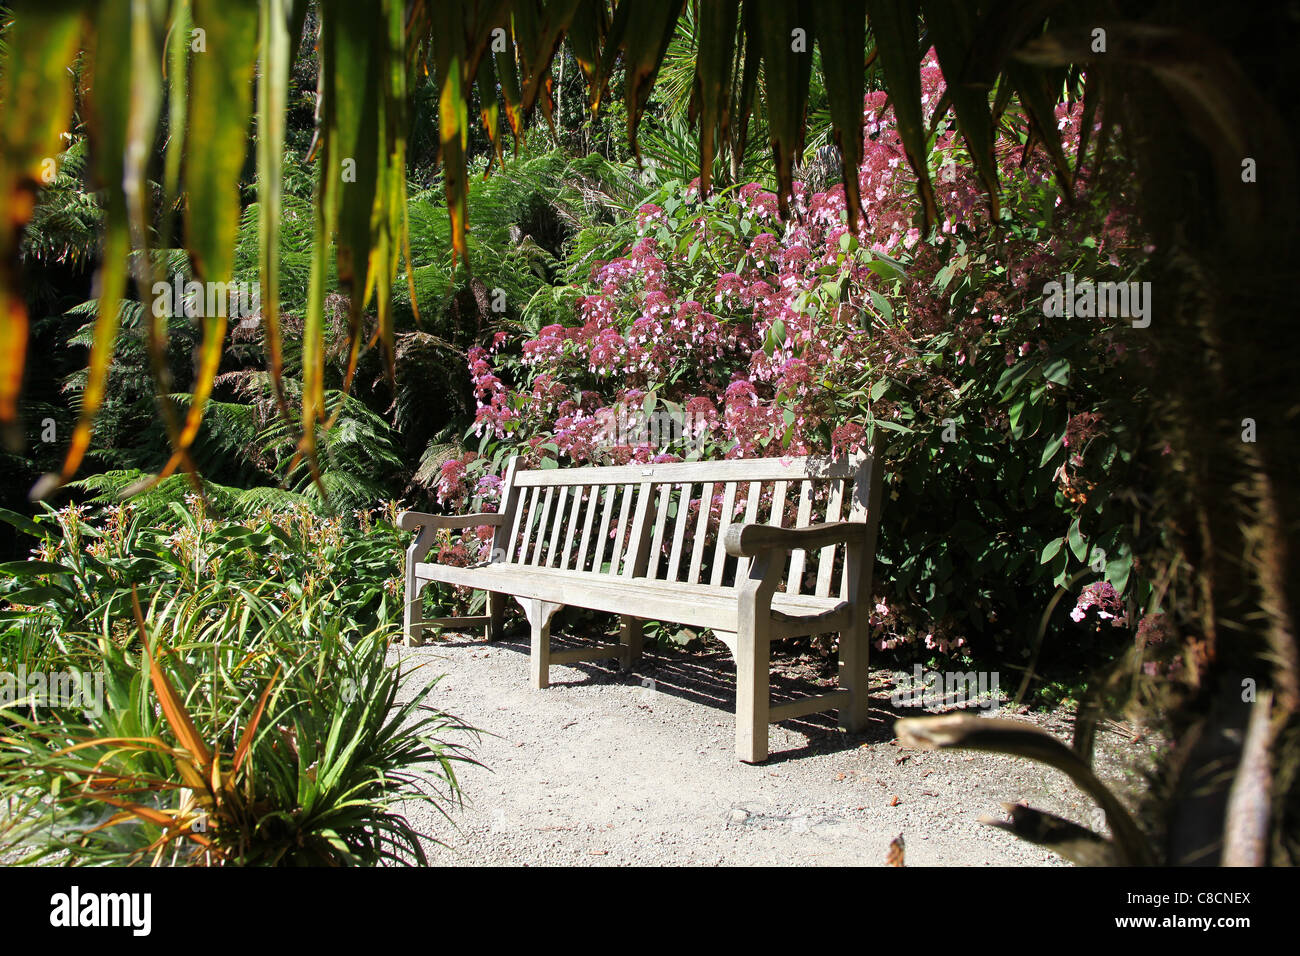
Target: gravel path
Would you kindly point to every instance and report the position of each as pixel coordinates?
(606, 768)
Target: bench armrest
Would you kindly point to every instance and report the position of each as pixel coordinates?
(410, 520)
(750, 540)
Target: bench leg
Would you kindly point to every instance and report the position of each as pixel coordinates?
(539, 614)
(414, 614)
(855, 644)
(753, 659)
(497, 612)
(630, 639)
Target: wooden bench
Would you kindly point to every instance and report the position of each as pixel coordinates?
(789, 554)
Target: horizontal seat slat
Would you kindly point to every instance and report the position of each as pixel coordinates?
(431, 571)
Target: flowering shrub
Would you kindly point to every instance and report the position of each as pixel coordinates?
(998, 423)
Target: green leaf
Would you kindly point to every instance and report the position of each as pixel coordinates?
(892, 426)
(272, 101)
(1078, 545)
(886, 269)
(1057, 370)
(882, 305)
(1035, 90)
(41, 45)
(27, 569)
(1013, 415)
(1052, 448)
(23, 523)
(1119, 567)
(178, 78)
(38, 595)
(778, 335)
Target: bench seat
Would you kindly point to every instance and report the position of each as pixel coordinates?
(692, 605)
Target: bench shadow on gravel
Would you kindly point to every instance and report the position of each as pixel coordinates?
(708, 679)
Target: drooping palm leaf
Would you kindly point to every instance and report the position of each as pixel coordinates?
(37, 95)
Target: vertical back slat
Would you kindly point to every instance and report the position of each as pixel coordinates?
(799, 557)
(701, 532)
(602, 539)
(753, 501)
(552, 550)
(570, 532)
(777, 515)
(679, 532)
(620, 536)
(593, 505)
(541, 527)
(530, 514)
(724, 522)
(826, 563)
(512, 506)
(657, 539)
(751, 516)
(636, 551)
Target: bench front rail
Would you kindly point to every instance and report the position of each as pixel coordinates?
(755, 549)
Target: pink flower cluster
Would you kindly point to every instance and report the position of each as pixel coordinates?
(495, 411)
(1104, 599)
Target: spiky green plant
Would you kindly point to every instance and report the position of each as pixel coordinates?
(251, 735)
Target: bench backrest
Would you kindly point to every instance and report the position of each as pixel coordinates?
(646, 520)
